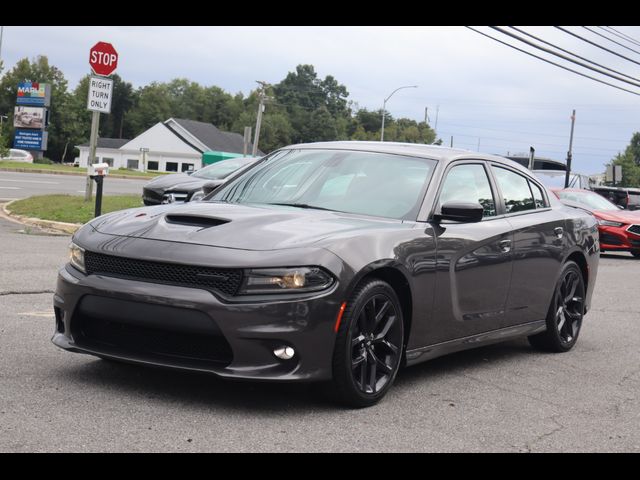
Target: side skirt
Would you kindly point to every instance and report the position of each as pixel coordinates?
(422, 354)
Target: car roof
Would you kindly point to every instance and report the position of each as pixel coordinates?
(436, 152)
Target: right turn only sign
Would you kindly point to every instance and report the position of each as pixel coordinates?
(100, 93)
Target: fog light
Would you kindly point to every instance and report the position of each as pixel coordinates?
(284, 353)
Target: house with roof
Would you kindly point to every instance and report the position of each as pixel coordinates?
(175, 145)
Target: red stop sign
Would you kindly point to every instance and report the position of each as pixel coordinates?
(103, 58)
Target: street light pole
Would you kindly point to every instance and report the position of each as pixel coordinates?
(384, 108)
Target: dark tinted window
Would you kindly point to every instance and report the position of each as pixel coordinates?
(468, 183)
(515, 190)
(153, 165)
(538, 196)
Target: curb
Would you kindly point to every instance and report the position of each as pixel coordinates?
(58, 172)
(68, 228)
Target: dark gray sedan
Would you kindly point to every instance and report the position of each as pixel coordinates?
(185, 187)
(334, 262)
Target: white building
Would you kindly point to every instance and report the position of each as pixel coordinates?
(175, 145)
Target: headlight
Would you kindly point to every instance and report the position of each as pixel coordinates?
(199, 195)
(609, 223)
(285, 280)
(76, 257)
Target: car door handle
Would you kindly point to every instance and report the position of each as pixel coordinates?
(505, 246)
(559, 231)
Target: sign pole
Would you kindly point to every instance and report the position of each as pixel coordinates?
(568, 173)
(93, 141)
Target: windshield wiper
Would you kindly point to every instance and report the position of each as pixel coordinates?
(302, 205)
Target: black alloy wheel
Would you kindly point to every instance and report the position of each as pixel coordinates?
(369, 345)
(564, 319)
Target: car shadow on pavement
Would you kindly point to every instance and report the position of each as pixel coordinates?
(195, 389)
(208, 391)
(464, 361)
(619, 256)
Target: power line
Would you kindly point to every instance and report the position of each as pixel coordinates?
(574, 54)
(554, 63)
(564, 57)
(611, 40)
(619, 34)
(596, 45)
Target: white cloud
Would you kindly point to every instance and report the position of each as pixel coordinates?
(484, 89)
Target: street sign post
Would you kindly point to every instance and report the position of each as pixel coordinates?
(103, 60)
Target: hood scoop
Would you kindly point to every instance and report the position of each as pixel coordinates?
(195, 221)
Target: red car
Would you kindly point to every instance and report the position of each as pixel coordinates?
(619, 229)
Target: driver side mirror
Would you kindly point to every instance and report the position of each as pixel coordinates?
(466, 212)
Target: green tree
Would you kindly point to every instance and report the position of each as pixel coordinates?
(630, 162)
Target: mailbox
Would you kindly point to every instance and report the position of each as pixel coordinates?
(98, 170)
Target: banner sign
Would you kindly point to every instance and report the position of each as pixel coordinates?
(30, 139)
(34, 93)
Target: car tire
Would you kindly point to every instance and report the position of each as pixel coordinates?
(369, 345)
(636, 253)
(566, 312)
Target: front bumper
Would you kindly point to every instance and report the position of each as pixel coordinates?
(618, 239)
(243, 335)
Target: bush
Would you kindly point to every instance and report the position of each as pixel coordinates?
(43, 161)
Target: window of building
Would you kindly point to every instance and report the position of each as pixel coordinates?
(108, 161)
(468, 183)
(132, 164)
(515, 190)
(152, 165)
(172, 167)
(187, 167)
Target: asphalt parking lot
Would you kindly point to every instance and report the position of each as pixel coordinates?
(505, 397)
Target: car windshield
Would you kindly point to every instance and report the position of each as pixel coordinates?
(589, 199)
(222, 169)
(378, 184)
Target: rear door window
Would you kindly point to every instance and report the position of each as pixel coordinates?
(515, 190)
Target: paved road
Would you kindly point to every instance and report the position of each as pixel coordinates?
(21, 185)
(501, 398)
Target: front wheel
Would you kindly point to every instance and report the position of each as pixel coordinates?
(369, 345)
(564, 318)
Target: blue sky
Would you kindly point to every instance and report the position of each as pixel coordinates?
(484, 92)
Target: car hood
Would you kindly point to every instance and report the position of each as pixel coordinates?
(238, 226)
(177, 181)
(623, 216)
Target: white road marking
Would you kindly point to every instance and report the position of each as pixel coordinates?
(28, 181)
(11, 188)
(46, 314)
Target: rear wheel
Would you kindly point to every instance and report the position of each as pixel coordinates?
(369, 345)
(564, 318)
(635, 253)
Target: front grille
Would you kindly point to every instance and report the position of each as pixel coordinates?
(224, 280)
(610, 239)
(634, 229)
(122, 326)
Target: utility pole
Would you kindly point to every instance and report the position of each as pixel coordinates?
(93, 140)
(256, 138)
(426, 116)
(451, 141)
(435, 127)
(1, 32)
(566, 178)
(478, 143)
